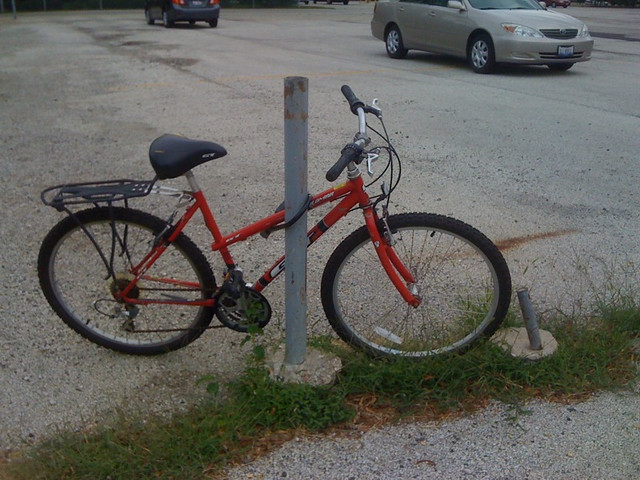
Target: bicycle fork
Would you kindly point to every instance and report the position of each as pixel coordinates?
(395, 268)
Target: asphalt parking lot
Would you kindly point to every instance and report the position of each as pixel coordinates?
(545, 163)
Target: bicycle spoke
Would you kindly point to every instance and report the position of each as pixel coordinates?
(87, 296)
(462, 296)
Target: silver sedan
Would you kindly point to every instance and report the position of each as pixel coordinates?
(485, 32)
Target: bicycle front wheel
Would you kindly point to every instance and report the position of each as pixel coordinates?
(79, 283)
(460, 276)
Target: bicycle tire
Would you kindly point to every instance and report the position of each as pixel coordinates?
(462, 279)
(76, 281)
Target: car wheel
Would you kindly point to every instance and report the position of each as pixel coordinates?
(165, 20)
(395, 47)
(213, 23)
(481, 54)
(345, 2)
(560, 67)
(147, 16)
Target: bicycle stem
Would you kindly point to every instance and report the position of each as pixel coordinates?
(362, 123)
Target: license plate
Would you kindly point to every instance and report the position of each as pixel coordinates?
(565, 51)
(196, 3)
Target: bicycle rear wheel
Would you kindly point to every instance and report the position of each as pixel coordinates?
(461, 277)
(79, 286)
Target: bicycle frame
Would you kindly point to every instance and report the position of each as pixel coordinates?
(134, 282)
(349, 194)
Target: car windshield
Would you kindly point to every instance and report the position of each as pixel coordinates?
(505, 4)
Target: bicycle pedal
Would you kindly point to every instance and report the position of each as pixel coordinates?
(233, 284)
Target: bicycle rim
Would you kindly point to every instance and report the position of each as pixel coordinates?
(461, 278)
(80, 288)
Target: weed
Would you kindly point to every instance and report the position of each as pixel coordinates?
(592, 356)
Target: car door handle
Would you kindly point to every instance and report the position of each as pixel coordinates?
(432, 14)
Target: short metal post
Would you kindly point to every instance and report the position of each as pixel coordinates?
(295, 195)
(530, 321)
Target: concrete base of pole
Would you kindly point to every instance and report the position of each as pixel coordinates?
(318, 368)
(515, 341)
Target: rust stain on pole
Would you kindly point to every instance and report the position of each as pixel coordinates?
(292, 85)
(291, 116)
(288, 90)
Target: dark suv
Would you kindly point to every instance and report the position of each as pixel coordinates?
(192, 11)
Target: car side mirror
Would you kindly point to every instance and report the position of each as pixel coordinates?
(543, 5)
(456, 4)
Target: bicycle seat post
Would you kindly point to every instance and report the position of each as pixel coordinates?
(192, 181)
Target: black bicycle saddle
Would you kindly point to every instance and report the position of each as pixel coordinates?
(173, 155)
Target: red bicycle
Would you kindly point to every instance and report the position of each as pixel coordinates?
(412, 284)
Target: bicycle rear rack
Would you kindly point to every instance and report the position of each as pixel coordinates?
(108, 192)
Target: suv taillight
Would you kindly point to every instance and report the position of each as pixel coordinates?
(178, 2)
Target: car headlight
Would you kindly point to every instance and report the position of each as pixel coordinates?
(522, 31)
(584, 32)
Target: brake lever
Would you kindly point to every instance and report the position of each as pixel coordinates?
(375, 108)
(372, 156)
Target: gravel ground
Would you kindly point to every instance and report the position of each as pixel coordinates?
(83, 94)
(542, 442)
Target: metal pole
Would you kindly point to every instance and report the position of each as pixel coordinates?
(530, 321)
(295, 196)
(13, 6)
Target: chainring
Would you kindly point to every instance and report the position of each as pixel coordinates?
(240, 314)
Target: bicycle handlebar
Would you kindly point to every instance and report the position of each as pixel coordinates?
(352, 152)
(358, 107)
(354, 102)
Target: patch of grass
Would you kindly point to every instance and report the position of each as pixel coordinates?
(591, 357)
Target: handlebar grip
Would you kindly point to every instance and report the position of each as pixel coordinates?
(350, 153)
(354, 102)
